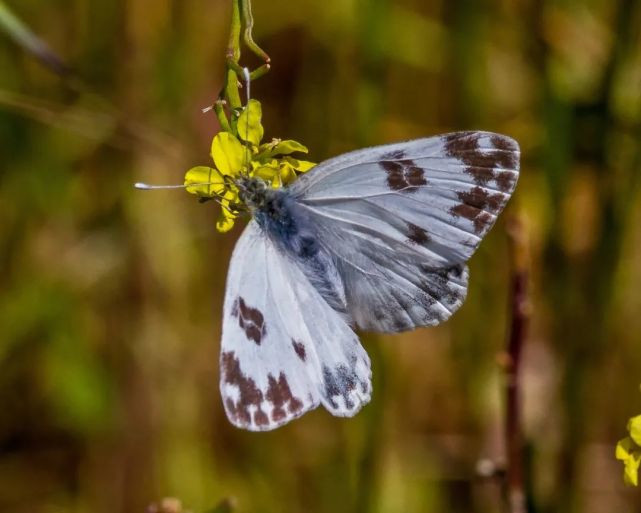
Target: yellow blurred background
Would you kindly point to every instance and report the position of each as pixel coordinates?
(111, 298)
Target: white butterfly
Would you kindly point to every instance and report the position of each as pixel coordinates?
(375, 239)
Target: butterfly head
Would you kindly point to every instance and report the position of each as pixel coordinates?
(253, 192)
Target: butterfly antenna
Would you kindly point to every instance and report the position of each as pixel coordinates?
(147, 187)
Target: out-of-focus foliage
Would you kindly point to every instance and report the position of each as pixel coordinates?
(110, 299)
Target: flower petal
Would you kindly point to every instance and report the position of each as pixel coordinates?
(289, 146)
(301, 166)
(228, 153)
(225, 222)
(287, 173)
(269, 172)
(204, 175)
(228, 214)
(249, 126)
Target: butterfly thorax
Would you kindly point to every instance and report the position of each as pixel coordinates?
(272, 208)
(253, 192)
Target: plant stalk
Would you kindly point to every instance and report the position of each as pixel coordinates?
(515, 496)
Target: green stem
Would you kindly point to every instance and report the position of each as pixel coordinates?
(248, 20)
(222, 117)
(259, 72)
(241, 17)
(230, 91)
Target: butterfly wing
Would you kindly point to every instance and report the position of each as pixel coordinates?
(401, 221)
(284, 349)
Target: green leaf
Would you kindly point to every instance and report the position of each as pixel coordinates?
(228, 153)
(634, 427)
(249, 127)
(204, 175)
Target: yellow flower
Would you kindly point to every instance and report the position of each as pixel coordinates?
(240, 153)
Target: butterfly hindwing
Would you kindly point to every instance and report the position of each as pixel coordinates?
(401, 221)
(284, 349)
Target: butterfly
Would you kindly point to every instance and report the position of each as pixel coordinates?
(375, 240)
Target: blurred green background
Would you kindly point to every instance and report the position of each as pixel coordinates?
(110, 298)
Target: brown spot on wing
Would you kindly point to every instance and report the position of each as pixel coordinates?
(472, 208)
(505, 180)
(261, 418)
(417, 235)
(395, 178)
(461, 142)
(481, 175)
(501, 142)
(280, 395)
(415, 174)
(482, 222)
(250, 320)
(403, 175)
(466, 211)
(483, 200)
(299, 348)
(481, 164)
(505, 159)
(249, 393)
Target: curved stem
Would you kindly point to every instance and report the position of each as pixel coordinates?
(248, 20)
(220, 114)
(230, 90)
(242, 20)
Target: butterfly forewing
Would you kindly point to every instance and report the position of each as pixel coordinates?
(284, 349)
(402, 220)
